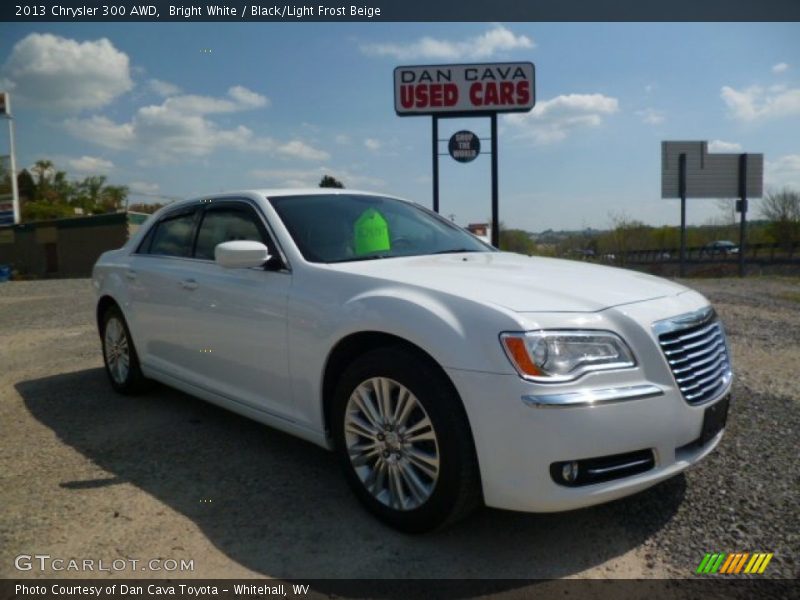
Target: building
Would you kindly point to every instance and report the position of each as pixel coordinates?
(64, 247)
(480, 230)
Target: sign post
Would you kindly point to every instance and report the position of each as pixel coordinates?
(688, 170)
(9, 207)
(465, 90)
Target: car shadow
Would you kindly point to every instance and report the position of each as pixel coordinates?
(280, 507)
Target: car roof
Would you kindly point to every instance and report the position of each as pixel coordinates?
(280, 192)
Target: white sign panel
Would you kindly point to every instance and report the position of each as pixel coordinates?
(708, 175)
(464, 88)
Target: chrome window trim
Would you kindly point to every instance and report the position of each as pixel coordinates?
(593, 397)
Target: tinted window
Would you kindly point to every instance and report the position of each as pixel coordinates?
(341, 227)
(173, 236)
(225, 225)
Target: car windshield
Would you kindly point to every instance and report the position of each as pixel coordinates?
(344, 227)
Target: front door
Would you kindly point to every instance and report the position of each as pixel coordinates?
(234, 328)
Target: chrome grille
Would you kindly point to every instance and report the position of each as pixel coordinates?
(696, 350)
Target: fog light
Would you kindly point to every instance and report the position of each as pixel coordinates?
(570, 471)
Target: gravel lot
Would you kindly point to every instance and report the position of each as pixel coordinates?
(87, 473)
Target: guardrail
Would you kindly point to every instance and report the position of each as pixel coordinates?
(754, 253)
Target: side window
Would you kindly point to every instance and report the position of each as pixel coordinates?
(173, 236)
(226, 225)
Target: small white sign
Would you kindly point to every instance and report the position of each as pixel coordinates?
(708, 175)
(464, 88)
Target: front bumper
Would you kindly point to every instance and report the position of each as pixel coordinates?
(517, 439)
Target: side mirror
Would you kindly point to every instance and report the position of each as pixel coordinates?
(241, 254)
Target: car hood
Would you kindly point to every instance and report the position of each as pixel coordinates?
(519, 283)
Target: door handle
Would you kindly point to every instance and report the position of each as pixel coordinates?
(131, 274)
(189, 284)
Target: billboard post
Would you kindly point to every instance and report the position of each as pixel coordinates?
(10, 215)
(689, 170)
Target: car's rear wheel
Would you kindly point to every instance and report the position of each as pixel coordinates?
(119, 354)
(404, 441)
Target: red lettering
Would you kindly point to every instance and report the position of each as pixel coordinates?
(450, 94)
(407, 96)
(491, 96)
(507, 93)
(421, 95)
(436, 95)
(474, 94)
(523, 92)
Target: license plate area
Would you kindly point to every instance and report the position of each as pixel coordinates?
(714, 420)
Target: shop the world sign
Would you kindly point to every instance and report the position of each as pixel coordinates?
(464, 88)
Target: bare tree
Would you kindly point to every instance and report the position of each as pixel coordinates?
(782, 209)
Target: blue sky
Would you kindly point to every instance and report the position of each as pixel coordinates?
(181, 109)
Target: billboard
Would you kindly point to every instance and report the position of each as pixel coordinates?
(464, 88)
(708, 175)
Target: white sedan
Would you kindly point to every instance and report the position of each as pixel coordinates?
(443, 372)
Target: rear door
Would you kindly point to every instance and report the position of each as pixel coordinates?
(234, 328)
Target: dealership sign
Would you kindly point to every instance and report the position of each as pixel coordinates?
(464, 88)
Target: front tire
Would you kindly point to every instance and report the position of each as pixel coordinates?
(119, 354)
(404, 441)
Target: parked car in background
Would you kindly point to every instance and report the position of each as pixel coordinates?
(444, 373)
(720, 248)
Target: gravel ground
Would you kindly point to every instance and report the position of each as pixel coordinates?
(84, 472)
(745, 497)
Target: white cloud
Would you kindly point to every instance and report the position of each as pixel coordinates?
(247, 98)
(299, 149)
(178, 127)
(101, 131)
(163, 88)
(784, 171)
(372, 144)
(553, 120)
(651, 116)
(143, 187)
(497, 39)
(754, 103)
(721, 146)
(294, 178)
(56, 73)
(90, 164)
(781, 67)
(342, 139)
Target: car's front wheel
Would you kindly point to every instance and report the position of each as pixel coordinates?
(119, 354)
(404, 441)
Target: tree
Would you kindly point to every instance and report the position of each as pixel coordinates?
(26, 185)
(782, 209)
(114, 197)
(330, 182)
(517, 240)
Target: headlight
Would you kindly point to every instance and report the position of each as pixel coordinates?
(565, 355)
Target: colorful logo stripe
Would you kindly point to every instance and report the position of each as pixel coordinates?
(735, 563)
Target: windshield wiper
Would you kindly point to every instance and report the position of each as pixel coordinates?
(456, 251)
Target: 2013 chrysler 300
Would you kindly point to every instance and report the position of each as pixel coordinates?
(443, 372)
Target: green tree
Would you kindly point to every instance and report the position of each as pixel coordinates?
(782, 209)
(516, 240)
(330, 182)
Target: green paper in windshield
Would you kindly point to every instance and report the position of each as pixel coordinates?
(372, 233)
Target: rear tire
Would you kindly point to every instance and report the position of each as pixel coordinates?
(404, 441)
(119, 354)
